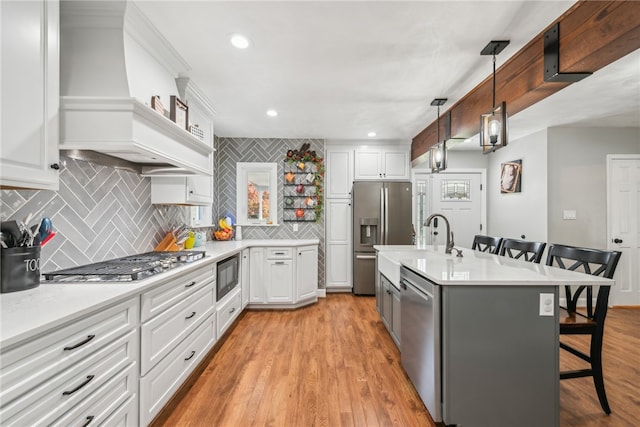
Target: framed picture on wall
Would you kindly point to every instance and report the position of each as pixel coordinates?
(511, 177)
(179, 113)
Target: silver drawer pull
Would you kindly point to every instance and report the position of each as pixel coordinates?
(190, 284)
(89, 419)
(193, 313)
(80, 344)
(191, 355)
(232, 310)
(279, 262)
(87, 381)
(278, 253)
(365, 257)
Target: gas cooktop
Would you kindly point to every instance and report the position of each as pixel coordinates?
(125, 269)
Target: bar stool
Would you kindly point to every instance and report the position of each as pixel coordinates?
(521, 249)
(591, 323)
(486, 244)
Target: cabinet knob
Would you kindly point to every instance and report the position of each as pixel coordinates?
(55, 166)
(190, 191)
(616, 240)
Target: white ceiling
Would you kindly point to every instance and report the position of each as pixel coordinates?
(340, 69)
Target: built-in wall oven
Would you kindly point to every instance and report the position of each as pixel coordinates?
(227, 275)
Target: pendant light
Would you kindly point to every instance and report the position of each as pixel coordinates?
(493, 125)
(438, 152)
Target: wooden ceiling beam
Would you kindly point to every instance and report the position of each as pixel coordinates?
(593, 34)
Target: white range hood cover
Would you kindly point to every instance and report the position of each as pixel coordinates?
(112, 61)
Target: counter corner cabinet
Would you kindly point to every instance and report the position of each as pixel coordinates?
(283, 276)
(30, 95)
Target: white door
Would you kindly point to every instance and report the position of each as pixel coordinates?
(623, 194)
(460, 197)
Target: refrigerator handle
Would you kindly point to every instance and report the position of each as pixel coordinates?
(386, 216)
(383, 231)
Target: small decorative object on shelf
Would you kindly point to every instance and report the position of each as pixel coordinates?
(196, 131)
(157, 105)
(179, 113)
(303, 180)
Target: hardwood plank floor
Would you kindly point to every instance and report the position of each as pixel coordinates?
(334, 364)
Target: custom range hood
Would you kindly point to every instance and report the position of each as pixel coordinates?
(113, 60)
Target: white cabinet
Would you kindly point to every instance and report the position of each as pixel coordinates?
(283, 277)
(339, 172)
(382, 163)
(228, 310)
(68, 369)
(245, 270)
(183, 190)
(306, 272)
(257, 290)
(30, 94)
(338, 257)
(178, 328)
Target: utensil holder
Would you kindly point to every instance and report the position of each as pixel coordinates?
(20, 268)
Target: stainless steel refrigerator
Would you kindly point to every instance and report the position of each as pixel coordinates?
(381, 216)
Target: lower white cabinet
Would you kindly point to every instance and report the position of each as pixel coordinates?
(159, 385)
(283, 277)
(338, 249)
(69, 367)
(228, 309)
(245, 270)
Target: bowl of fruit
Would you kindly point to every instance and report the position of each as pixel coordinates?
(225, 229)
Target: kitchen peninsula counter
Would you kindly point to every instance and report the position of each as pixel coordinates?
(480, 334)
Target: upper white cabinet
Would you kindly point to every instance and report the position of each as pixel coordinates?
(382, 163)
(30, 94)
(339, 172)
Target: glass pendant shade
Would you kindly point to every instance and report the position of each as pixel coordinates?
(493, 129)
(438, 156)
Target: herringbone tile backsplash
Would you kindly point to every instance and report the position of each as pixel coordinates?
(233, 150)
(98, 213)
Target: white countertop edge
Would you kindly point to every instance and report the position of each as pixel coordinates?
(29, 313)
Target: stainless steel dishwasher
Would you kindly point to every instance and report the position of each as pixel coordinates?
(420, 335)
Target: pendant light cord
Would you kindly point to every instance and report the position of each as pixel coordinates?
(494, 81)
(438, 125)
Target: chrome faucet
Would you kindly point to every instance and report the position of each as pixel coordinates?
(449, 245)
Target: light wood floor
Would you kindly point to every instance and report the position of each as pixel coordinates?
(334, 364)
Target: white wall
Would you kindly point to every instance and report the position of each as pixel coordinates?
(577, 180)
(514, 215)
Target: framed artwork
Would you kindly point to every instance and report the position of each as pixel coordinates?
(511, 177)
(179, 113)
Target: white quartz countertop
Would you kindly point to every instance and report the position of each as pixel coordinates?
(480, 268)
(25, 314)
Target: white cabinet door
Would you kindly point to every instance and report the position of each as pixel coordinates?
(257, 294)
(279, 280)
(200, 190)
(306, 272)
(245, 269)
(396, 165)
(368, 164)
(30, 94)
(386, 303)
(338, 244)
(339, 176)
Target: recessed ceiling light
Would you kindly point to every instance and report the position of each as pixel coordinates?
(371, 134)
(272, 113)
(240, 41)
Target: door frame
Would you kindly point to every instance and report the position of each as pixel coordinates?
(483, 194)
(610, 159)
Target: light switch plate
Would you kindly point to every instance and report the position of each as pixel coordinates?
(546, 304)
(295, 227)
(568, 214)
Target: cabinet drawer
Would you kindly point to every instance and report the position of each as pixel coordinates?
(53, 398)
(159, 385)
(165, 331)
(25, 366)
(229, 310)
(279, 253)
(104, 407)
(169, 294)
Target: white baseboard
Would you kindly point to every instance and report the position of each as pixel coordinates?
(322, 293)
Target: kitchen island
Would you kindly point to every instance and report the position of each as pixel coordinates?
(479, 334)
